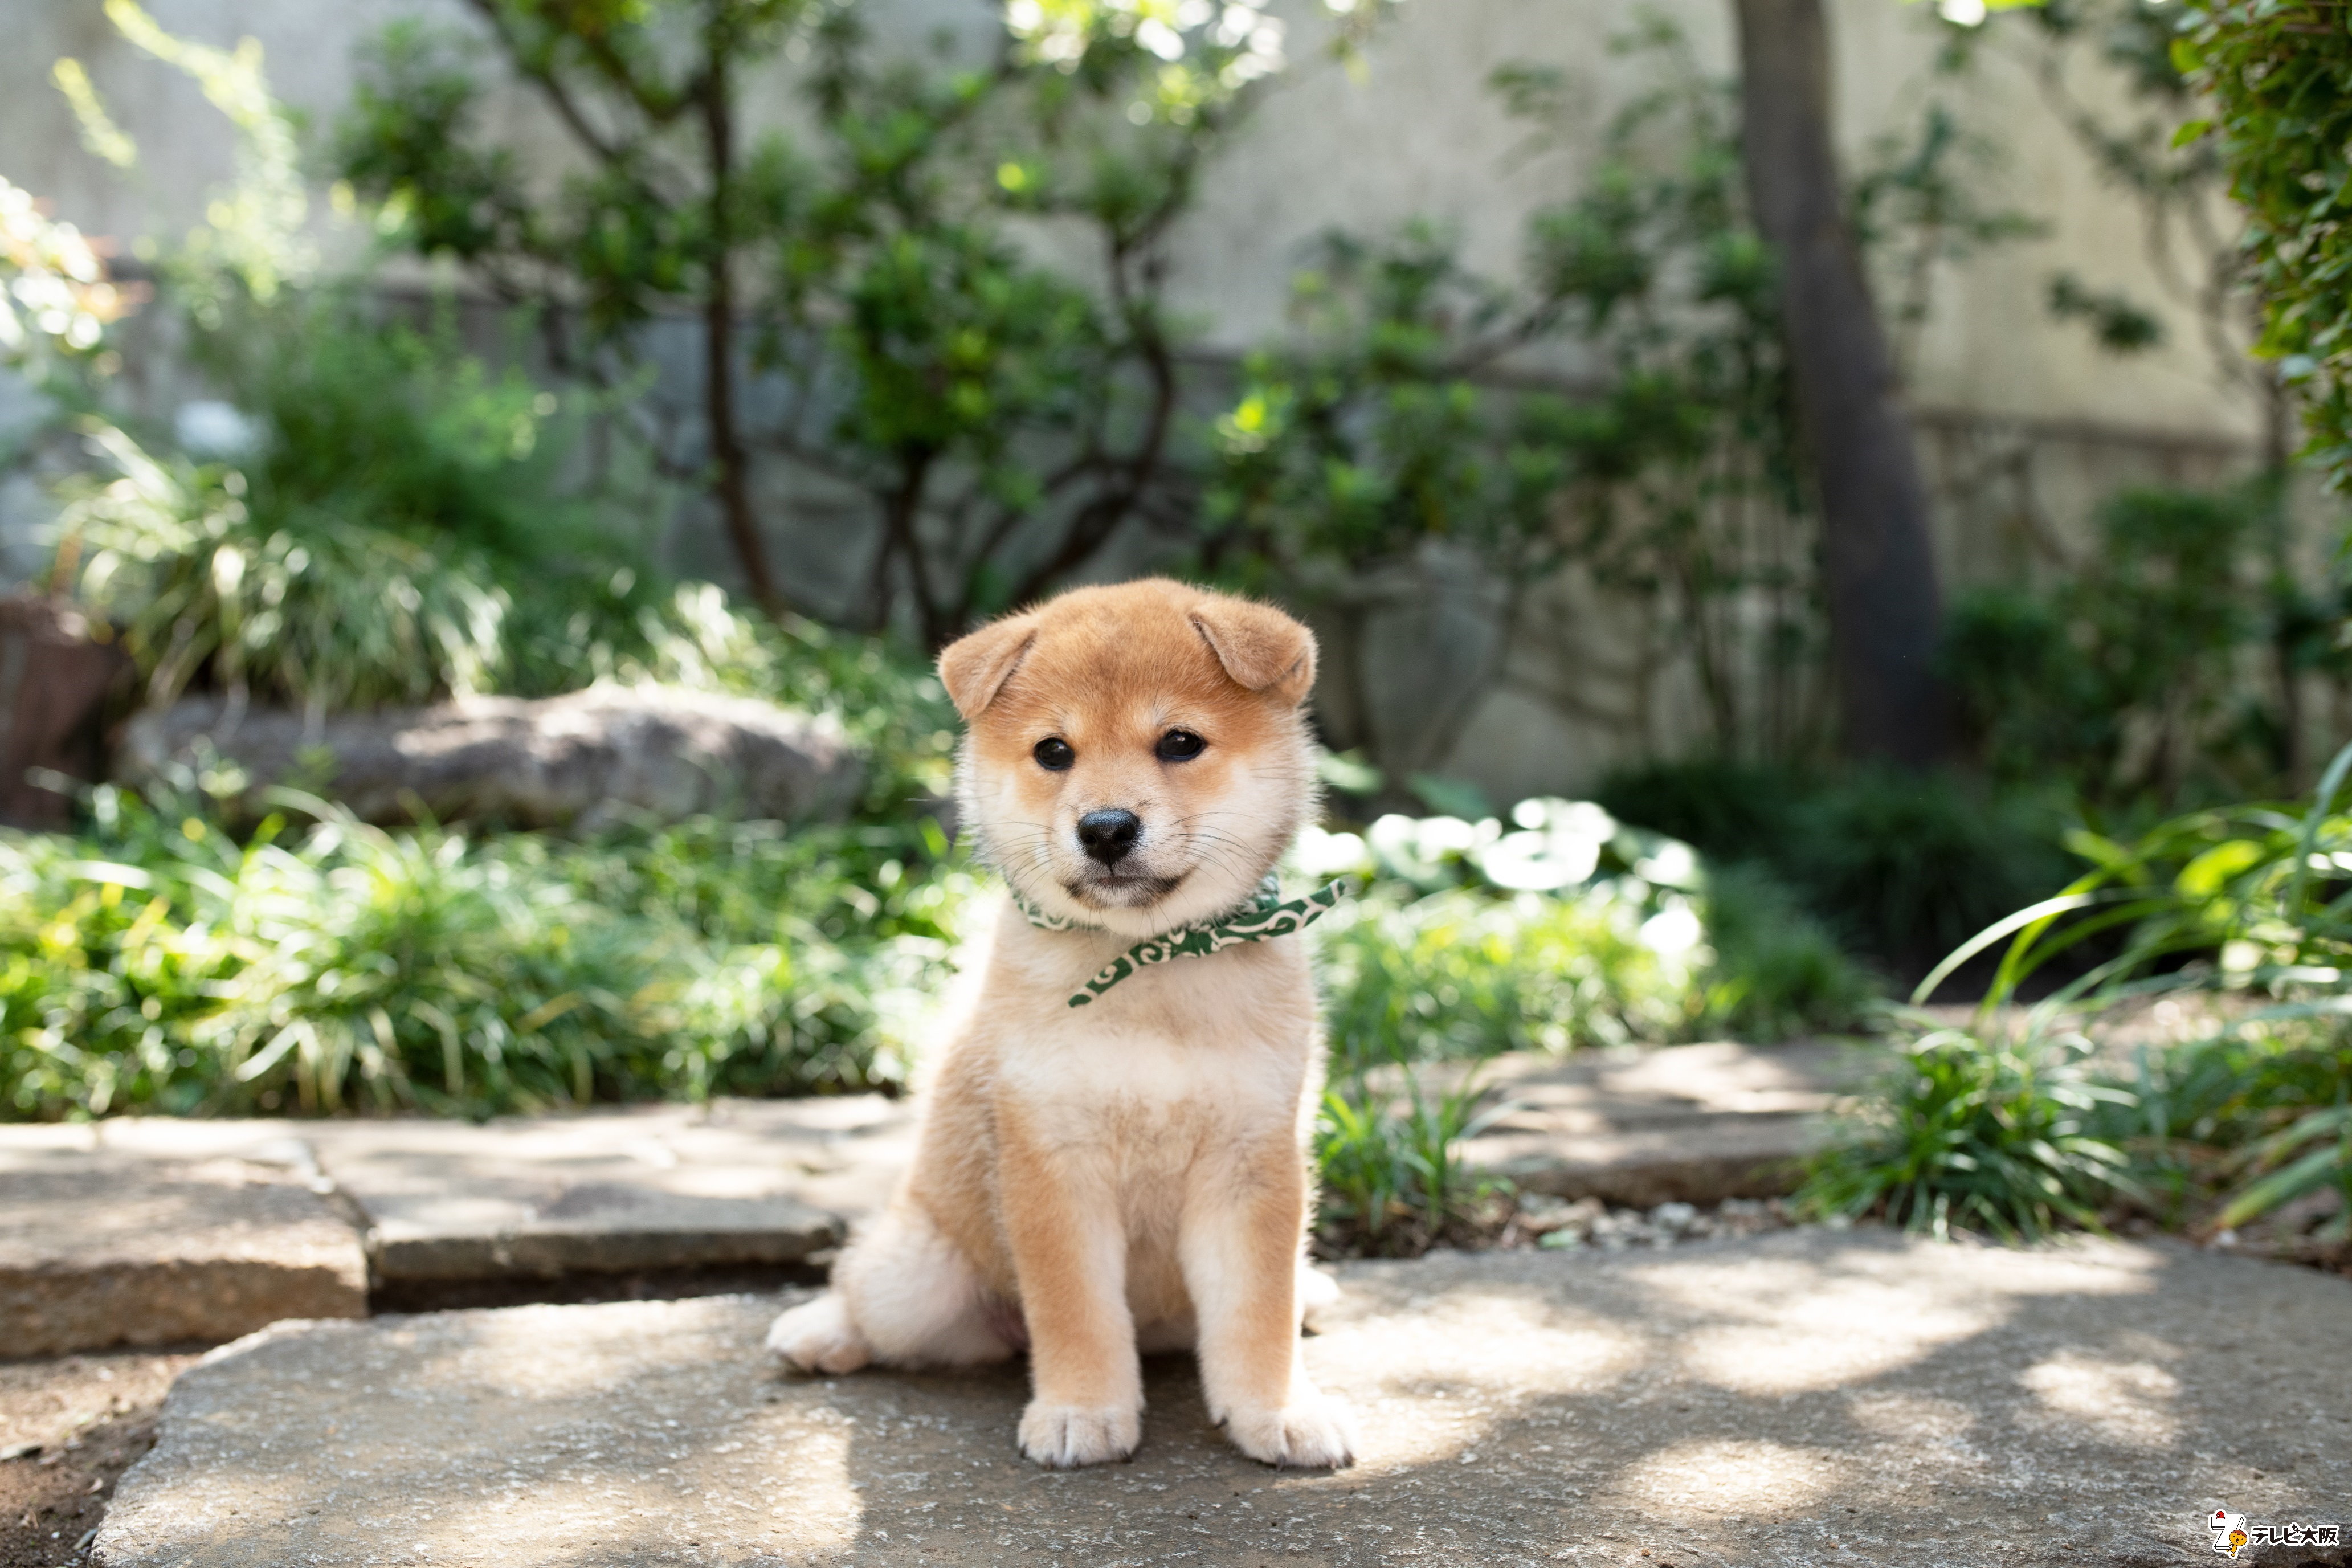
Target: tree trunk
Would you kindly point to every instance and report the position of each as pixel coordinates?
(1883, 606)
(734, 488)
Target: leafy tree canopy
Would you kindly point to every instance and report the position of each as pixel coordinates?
(2280, 78)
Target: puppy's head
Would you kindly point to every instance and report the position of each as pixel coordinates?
(1135, 757)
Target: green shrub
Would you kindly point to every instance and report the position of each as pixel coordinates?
(1907, 867)
(1465, 975)
(2251, 904)
(2128, 680)
(1566, 930)
(304, 607)
(1777, 972)
(324, 616)
(1727, 811)
(161, 965)
(2279, 79)
(2258, 1113)
(395, 532)
(1900, 867)
(1977, 1133)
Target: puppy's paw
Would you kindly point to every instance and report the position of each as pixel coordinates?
(1318, 1294)
(817, 1336)
(1064, 1437)
(1314, 1432)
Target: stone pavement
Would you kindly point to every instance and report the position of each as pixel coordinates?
(646, 1189)
(1808, 1396)
(151, 1233)
(1686, 1124)
(250, 1222)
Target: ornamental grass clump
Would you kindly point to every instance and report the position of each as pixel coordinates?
(1394, 1179)
(2246, 910)
(155, 963)
(1976, 1133)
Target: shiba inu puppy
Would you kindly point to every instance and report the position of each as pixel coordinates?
(1113, 1156)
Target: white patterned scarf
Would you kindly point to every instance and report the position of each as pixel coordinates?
(1267, 914)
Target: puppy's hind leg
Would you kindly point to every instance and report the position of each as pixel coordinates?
(902, 1295)
(817, 1336)
(1318, 1294)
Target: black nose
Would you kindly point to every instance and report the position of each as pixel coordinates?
(1107, 835)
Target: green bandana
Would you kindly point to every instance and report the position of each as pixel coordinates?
(1267, 914)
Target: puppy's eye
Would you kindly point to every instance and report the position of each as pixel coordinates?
(1180, 746)
(1054, 754)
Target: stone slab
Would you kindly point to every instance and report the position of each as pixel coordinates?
(653, 1188)
(1687, 1123)
(1808, 1396)
(149, 1232)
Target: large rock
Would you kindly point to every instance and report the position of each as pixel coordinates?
(147, 1231)
(580, 759)
(1815, 1396)
(55, 682)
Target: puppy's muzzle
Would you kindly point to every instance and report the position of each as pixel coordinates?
(1107, 836)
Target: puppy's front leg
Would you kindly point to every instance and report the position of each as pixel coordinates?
(1239, 1247)
(1069, 1254)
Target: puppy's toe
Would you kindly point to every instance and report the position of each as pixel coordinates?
(1314, 1432)
(817, 1336)
(1064, 1437)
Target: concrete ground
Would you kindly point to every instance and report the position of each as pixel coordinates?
(1800, 1397)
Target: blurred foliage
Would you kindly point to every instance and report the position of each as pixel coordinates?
(1402, 419)
(1619, 410)
(1919, 205)
(1002, 421)
(1560, 929)
(1899, 866)
(2246, 908)
(55, 297)
(2118, 323)
(2278, 78)
(324, 614)
(155, 963)
(2166, 669)
(2126, 126)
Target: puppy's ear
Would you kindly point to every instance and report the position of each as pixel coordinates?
(1261, 647)
(975, 667)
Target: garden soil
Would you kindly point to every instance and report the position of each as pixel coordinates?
(70, 1428)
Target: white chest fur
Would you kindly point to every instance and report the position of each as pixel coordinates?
(1230, 1035)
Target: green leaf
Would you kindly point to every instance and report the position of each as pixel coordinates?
(2190, 131)
(2204, 877)
(2279, 1186)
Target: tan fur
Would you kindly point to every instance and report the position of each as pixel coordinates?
(1130, 1176)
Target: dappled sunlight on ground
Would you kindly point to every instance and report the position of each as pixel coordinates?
(2127, 1403)
(1749, 1478)
(1784, 1327)
(1794, 1398)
